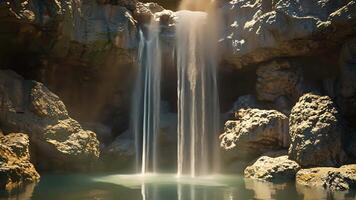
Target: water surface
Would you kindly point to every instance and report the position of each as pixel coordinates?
(164, 187)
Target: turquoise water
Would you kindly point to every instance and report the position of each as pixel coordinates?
(164, 187)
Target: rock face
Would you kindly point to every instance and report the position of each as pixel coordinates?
(59, 142)
(278, 78)
(316, 132)
(256, 131)
(256, 31)
(347, 96)
(343, 178)
(120, 154)
(272, 169)
(76, 48)
(15, 167)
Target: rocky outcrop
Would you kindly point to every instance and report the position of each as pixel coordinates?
(277, 79)
(15, 167)
(316, 132)
(272, 169)
(257, 31)
(255, 131)
(58, 142)
(343, 178)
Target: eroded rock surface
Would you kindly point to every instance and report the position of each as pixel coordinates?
(15, 167)
(59, 142)
(257, 31)
(256, 131)
(277, 79)
(316, 132)
(272, 169)
(343, 178)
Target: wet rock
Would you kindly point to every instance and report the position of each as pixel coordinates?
(255, 131)
(316, 132)
(120, 154)
(58, 142)
(257, 31)
(343, 178)
(15, 167)
(277, 79)
(144, 12)
(273, 169)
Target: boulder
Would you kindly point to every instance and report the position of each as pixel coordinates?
(316, 132)
(258, 31)
(15, 167)
(272, 169)
(58, 141)
(343, 178)
(277, 79)
(255, 131)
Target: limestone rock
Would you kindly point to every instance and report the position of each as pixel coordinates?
(59, 142)
(278, 78)
(272, 169)
(98, 25)
(257, 31)
(343, 178)
(316, 132)
(256, 131)
(15, 167)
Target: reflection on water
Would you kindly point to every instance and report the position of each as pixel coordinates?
(164, 187)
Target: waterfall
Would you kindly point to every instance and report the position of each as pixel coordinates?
(146, 99)
(198, 106)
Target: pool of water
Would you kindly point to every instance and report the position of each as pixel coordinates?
(164, 187)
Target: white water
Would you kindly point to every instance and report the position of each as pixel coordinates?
(198, 107)
(146, 100)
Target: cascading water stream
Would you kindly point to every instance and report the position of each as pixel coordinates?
(198, 107)
(146, 100)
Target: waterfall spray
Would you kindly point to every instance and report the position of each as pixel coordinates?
(198, 107)
(146, 100)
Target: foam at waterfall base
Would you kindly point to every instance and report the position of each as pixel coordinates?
(135, 181)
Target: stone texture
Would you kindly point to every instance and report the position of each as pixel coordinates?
(257, 31)
(256, 131)
(343, 178)
(246, 102)
(15, 167)
(58, 142)
(272, 169)
(120, 154)
(316, 132)
(277, 79)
